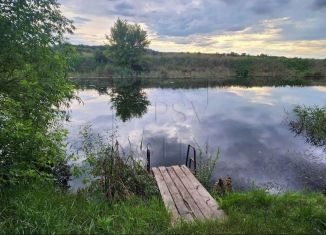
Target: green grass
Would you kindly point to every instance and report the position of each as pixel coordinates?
(259, 213)
(44, 210)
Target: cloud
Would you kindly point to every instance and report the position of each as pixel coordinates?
(123, 6)
(124, 9)
(80, 20)
(230, 2)
(204, 24)
(265, 7)
(319, 4)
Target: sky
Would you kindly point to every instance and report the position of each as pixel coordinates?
(292, 28)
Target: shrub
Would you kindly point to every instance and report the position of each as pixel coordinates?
(33, 88)
(115, 173)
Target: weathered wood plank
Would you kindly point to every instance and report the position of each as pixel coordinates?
(185, 194)
(183, 210)
(209, 200)
(167, 198)
(207, 211)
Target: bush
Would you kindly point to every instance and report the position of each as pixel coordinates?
(119, 176)
(33, 89)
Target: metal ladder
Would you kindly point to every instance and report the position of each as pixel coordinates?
(189, 160)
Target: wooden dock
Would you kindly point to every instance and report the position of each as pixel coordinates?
(184, 197)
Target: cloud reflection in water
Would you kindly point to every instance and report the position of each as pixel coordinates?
(247, 124)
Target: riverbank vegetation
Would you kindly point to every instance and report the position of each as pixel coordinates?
(223, 69)
(121, 196)
(43, 209)
(34, 90)
(117, 173)
(311, 123)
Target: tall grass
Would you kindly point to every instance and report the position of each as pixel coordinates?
(206, 165)
(257, 212)
(117, 174)
(42, 209)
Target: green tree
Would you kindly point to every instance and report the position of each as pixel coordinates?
(33, 88)
(127, 44)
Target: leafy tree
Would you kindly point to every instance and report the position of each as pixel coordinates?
(33, 88)
(127, 44)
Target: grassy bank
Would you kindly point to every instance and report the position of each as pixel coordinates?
(224, 69)
(41, 209)
(44, 209)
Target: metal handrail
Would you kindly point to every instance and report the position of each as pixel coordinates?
(193, 159)
(148, 155)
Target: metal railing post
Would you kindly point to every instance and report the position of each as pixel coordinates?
(193, 159)
(187, 154)
(148, 153)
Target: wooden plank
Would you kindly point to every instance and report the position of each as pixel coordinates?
(167, 198)
(207, 211)
(187, 198)
(183, 210)
(209, 200)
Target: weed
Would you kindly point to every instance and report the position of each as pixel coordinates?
(117, 174)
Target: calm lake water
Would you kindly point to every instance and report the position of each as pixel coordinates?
(248, 125)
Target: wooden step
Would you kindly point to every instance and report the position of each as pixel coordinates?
(184, 196)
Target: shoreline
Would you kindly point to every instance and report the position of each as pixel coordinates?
(85, 81)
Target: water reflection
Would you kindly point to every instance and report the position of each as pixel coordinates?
(246, 124)
(128, 99)
(310, 122)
